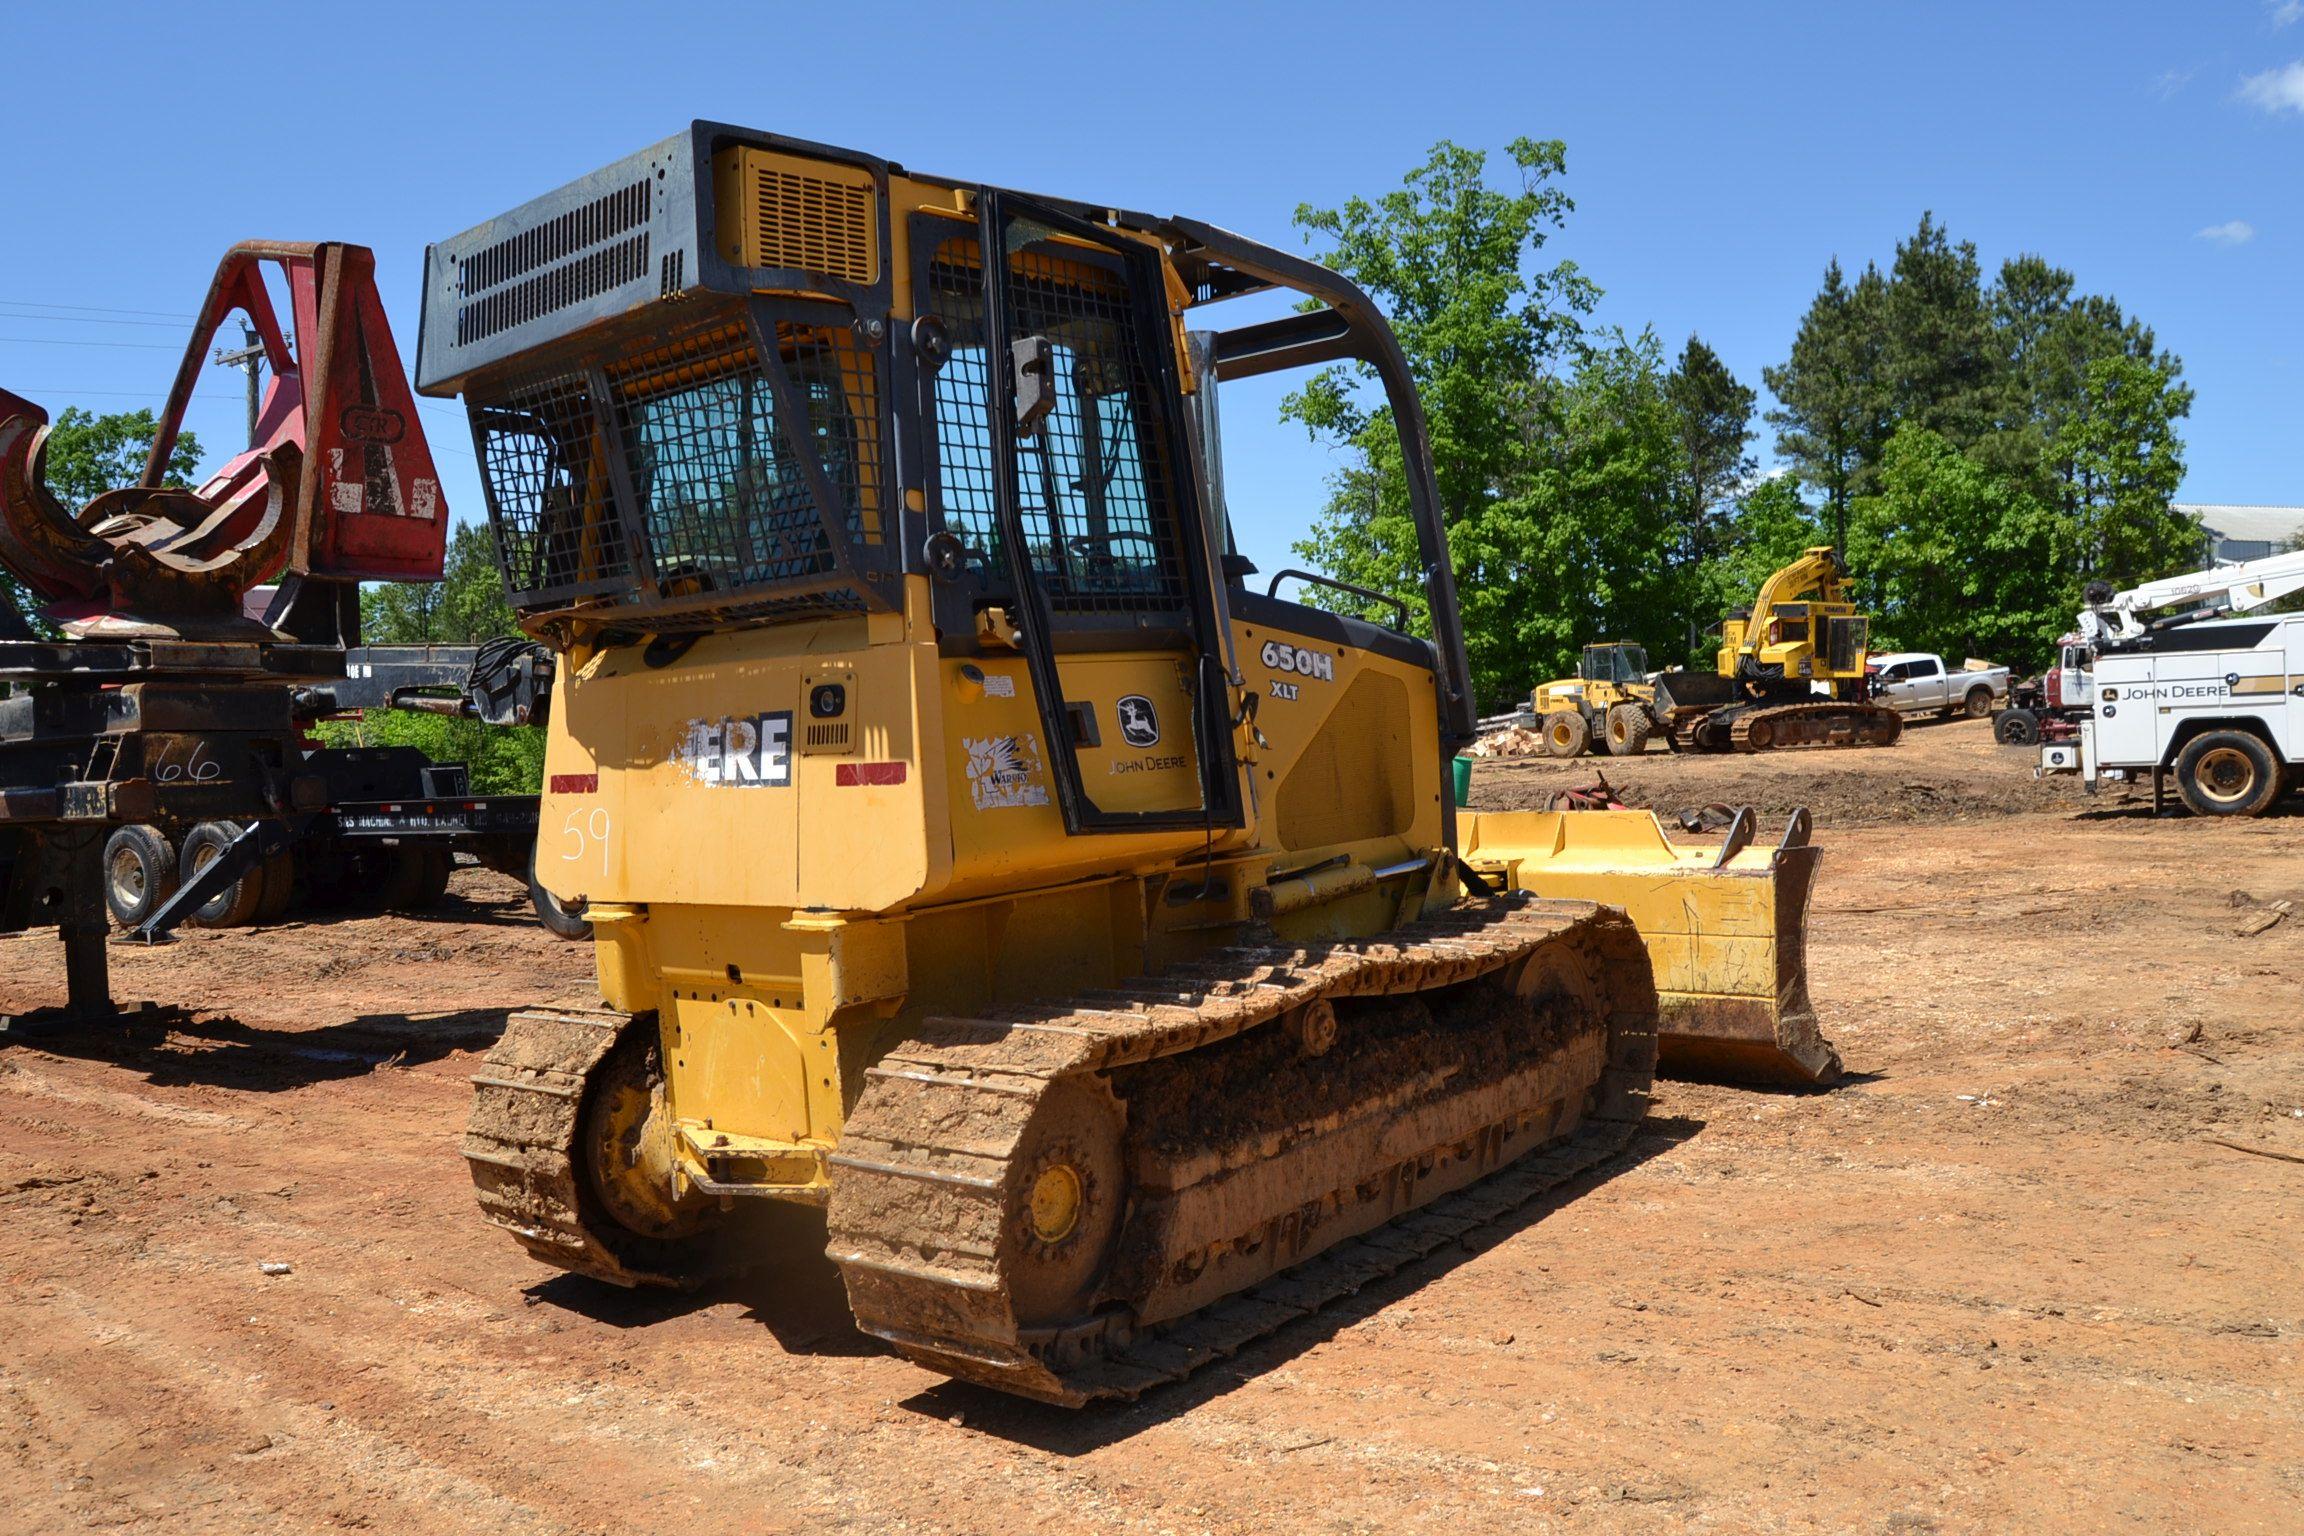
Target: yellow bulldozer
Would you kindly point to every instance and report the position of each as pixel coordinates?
(971, 851)
(1789, 673)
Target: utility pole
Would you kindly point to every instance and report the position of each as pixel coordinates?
(249, 358)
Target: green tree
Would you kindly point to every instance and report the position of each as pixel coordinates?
(465, 606)
(1832, 415)
(1771, 527)
(1454, 263)
(89, 454)
(1952, 558)
(1944, 365)
(2125, 462)
(1591, 526)
(1714, 413)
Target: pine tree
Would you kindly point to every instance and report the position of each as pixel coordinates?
(1833, 416)
(1714, 414)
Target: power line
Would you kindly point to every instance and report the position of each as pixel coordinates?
(99, 309)
(62, 341)
(32, 393)
(12, 313)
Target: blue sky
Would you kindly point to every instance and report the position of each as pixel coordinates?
(1719, 155)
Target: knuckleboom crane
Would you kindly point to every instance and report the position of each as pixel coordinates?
(2233, 587)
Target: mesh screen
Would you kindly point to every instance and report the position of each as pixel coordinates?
(548, 500)
(724, 499)
(1093, 485)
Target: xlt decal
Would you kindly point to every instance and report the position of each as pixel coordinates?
(746, 751)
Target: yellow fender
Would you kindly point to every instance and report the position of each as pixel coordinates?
(1726, 927)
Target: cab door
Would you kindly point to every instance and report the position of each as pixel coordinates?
(1100, 524)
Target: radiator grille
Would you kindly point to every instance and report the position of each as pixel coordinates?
(602, 219)
(812, 224)
(586, 277)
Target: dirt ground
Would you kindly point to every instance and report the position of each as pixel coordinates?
(2018, 1274)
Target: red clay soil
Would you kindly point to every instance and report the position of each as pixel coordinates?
(2035, 1267)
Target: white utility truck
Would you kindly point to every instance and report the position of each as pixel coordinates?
(2216, 706)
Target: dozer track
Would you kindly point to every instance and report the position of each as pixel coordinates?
(1384, 1107)
(1768, 727)
(528, 1103)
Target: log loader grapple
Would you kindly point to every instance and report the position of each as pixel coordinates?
(166, 702)
(971, 850)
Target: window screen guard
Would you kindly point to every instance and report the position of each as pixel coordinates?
(727, 469)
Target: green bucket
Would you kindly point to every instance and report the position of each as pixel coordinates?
(1460, 778)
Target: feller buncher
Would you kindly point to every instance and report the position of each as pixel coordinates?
(970, 850)
(1801, 631)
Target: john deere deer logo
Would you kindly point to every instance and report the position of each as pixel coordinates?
(1139, 721)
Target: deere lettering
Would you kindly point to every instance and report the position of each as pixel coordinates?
(744, 751)
(1280, 656)
(2180, 691)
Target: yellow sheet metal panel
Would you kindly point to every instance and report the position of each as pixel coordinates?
(1348, 761)
(704, 793)
(778, 210)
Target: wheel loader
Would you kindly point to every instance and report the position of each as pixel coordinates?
(972, 851)
(1801, 631)
(1608, 702)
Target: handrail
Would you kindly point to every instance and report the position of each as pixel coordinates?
(1399, 608)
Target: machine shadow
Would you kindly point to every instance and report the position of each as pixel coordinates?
(453, 912)
(787, 1284)
(173, 1048)
(1079, 1431)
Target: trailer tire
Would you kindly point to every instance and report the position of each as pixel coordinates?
(1979, 702)
(2227, 773)
(556, 918)
(403, 886)
(237, 904)
(434, 865)
(139, 873)
(1629, 726)
(279, 887)
(1566, 733)
(2017, 728)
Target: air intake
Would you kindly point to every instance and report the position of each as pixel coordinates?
(798, 215)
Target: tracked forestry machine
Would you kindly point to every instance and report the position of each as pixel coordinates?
(971, 851)
(1790, 672)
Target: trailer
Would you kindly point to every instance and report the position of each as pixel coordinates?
(385, 825)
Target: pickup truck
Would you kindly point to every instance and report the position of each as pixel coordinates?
(1917, 682)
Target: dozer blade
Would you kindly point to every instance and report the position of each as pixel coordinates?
(1726, 928)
